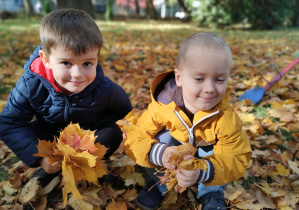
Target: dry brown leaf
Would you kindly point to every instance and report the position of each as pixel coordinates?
(30, 191)
(78, 204)
(116, 205)
(16, 181)
(53, 183)
(130, 195)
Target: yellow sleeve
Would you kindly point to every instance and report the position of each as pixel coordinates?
(140, 138)
(232, 150)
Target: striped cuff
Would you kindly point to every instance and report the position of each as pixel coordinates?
(155, 155)
(207, 176)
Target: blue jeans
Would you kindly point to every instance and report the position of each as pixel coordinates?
(164, 137)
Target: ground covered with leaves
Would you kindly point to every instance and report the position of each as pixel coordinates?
(133, 53)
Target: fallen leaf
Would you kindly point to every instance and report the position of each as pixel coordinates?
(30, 191)
(116, 205)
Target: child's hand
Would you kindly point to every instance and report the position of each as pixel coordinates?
(48, 167)
(166, 155)
(187, 178)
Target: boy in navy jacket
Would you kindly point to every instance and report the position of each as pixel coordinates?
(63, 82)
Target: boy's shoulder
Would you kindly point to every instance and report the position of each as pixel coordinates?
(229, 120)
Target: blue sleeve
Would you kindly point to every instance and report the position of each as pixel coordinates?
(15, 129)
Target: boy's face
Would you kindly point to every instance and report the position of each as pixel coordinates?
(72, 73)
(203, 78)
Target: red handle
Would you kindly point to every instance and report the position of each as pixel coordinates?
(283, 72)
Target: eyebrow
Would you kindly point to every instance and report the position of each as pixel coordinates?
(71, 59)
(203, 74)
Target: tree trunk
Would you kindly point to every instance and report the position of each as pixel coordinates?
(296, 14)
(28, 7)
(109, 10)
(84, 5)
(137, 7)
(150, 10)
(187, 12)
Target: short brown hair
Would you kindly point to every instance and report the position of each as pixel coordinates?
(72, 29)
(205, 40)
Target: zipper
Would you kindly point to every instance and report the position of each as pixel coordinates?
(67, 109)
(190, 130)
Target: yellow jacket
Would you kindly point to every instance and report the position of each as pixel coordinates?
(219, 126)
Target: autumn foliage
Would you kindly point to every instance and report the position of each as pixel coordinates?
(133, 53)
(81, 158)
(177, 160)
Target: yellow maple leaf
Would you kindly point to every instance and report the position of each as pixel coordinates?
(192, 164)
(267, 123)
(82, 160)
(101, 150)
(266, 188)
(247, 117)
(281, 170)
(68, 182)
(177, 159)
(100, 169)
(77, 138)
(120, 67)
(182, 151)
(47, 149)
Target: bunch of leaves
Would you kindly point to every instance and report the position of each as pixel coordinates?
(81, 158)
(177, 160)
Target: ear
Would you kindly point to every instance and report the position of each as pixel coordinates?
(45, 59)
(177, 75)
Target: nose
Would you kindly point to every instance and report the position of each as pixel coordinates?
(209, 86)
(76, 71)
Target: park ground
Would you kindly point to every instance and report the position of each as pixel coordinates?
(133, 53)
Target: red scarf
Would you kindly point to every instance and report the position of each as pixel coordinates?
(39, 68)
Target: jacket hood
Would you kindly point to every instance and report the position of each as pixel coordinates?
(35, 67)
(165, 91)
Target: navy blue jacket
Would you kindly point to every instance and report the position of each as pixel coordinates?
(100, 102)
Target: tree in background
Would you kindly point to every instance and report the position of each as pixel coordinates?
(186, 8)
(109, 10)
(46, 7)
(85, 5)
(261, 14)
(137, 7)
(269, 14)
(28, 7)
(295, 19)
(150, 10)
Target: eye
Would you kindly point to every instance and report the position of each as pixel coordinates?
(87, 64)
(66, 63)
(199, 79)
(220, 80)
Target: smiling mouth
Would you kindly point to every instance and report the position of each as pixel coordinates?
(76, 82)
(208, 98)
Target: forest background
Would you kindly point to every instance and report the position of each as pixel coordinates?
(137, 49)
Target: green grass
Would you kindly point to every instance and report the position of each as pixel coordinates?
(4, 175)
(19, 24)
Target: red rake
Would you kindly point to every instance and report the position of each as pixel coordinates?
(256, 94)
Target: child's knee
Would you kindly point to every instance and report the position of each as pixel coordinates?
(109, 135)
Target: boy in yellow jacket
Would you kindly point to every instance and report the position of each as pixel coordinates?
(191, 104)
